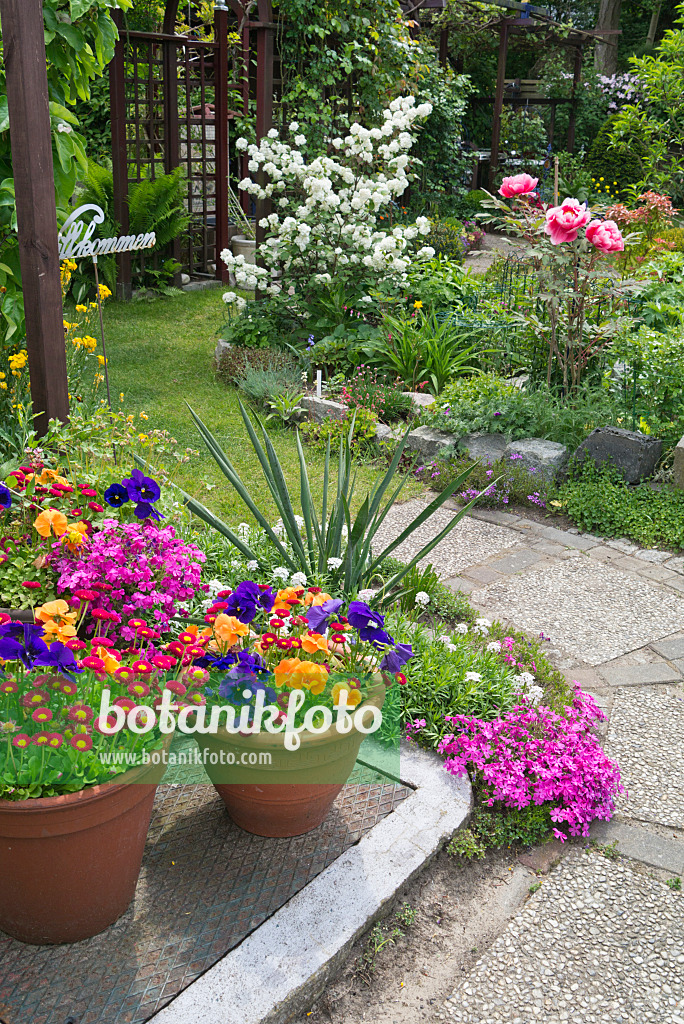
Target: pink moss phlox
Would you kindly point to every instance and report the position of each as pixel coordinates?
(150, 569)
(533, 755)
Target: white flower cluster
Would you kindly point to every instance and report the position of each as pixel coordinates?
(422, 599)
(528, 688)
(232, 298)
(326, 226)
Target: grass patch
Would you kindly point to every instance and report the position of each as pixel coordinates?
(160, 357)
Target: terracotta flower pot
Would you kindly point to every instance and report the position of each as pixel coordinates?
(69, 864)
(294, 793)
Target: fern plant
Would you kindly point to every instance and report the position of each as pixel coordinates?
(154, 205)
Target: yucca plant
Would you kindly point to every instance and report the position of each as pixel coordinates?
(323, 536)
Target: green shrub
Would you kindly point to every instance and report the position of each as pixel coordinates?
(490, 404)
(598, 500)
(235, 360)
(262, 323)
(341, 351)
(365, 425)
(490, 829)
(442, 283)
(447, 238)
(437, 683)
(604, 161)
(262, 384)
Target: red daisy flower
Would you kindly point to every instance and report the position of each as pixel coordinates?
(81, 742)
(80, 713)
(42, 715)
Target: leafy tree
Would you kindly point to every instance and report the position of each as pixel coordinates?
(653, 128)
(79, 39)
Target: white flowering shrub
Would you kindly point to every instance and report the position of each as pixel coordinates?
(324, 226)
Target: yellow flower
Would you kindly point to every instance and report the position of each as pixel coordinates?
(353, 695)
(101, 360)
(3, 386)
(81, 309)
(18, 360)
(301, 675)
(600, 179)
(121, 397)
(76, 536)
(144, 416)
(104, 292)
(90, 344)
(417, 304)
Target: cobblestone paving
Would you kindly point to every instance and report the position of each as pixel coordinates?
(646, 738)
(593, 610)
(469, 542)
(598, 944)
(602, 942)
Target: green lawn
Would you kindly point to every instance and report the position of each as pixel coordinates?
(160, 357)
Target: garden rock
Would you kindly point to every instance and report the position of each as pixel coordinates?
(678, 468)
(429, 443)
(548, 458)
(222, 348)
(488, 447)
(420, 401)
(323, 409)
(634, 455)
(385, 433)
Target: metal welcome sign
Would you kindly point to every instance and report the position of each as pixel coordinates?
(76, 237)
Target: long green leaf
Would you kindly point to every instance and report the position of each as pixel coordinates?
(425, 514)
(229, 472)
(424, 551)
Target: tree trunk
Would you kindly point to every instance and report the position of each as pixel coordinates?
(605, 53)
(653, 27)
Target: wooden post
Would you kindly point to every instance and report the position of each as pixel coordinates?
(444, 47)
(572, 119)
(264, 110)
(221, 139)
(498, 101)
(31, 139)
(117, 105)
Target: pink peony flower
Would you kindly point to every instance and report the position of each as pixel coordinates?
(564, 221)
(518, 185)
(605, 235)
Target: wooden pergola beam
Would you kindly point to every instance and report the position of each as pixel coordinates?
(31, 140)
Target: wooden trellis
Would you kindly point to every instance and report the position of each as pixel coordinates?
(174, 99)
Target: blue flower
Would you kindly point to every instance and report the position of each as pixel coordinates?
(319, 615)
(395, 658)
(59, 657)
(360, 615)
(21, 641)
(141, 488)
(143, 510)
(116, 495)
(246, 600)
(5, 497)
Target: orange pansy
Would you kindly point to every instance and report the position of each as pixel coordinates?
(313, 642)
(228, 629)
(51, 520)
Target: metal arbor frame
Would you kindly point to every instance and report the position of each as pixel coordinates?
(173, 99)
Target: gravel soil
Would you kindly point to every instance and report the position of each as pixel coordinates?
(460, 911)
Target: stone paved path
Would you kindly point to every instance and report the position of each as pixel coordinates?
(602, 940)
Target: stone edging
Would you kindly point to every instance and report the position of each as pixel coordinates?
(282, 967)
